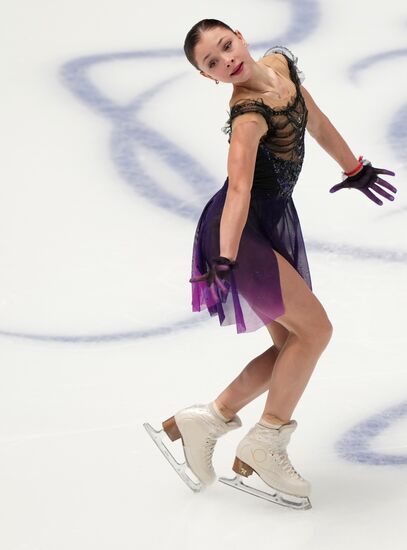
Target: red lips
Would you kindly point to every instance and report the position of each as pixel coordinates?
(237, 69)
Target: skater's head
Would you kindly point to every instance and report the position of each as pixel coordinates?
(216, 50)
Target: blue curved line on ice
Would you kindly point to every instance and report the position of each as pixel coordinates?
(356, 444)
(305, 17)
(173, 327)
(367, 62)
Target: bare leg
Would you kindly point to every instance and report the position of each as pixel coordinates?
(254, 378)
(291, 373)
(309, 333)
(250, 383)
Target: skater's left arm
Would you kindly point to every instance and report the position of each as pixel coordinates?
(324, 132)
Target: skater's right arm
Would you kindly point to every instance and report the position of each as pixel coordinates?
(247, 129)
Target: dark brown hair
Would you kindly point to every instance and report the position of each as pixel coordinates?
(194, 35)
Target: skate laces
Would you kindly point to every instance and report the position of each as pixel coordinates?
(283, 460)
(277, 449)
(208, 450)
(217, 428)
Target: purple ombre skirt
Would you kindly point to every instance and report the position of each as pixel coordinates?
(254, 297)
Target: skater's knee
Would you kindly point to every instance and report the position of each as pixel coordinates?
(317, 331)
(311, 325)
(326, 331)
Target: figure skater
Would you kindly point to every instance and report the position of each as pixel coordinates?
(249, 263)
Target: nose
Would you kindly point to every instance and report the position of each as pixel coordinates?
(231, 61)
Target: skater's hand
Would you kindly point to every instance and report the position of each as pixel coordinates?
(367, 179)
(215, 277)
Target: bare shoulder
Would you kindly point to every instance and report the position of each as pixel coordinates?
(275, 60)
(246, 111)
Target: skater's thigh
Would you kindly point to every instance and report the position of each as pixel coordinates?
(303, 313)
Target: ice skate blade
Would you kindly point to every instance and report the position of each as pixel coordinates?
(289, 501)
(179, 467)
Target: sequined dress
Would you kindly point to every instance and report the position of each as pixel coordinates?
(254, 296)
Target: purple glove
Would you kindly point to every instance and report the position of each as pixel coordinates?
(220, 267)
(368, 178)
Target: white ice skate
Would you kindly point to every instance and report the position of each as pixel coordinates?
(263, 450)
(198, 426)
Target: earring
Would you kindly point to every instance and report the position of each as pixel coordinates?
(217, 81)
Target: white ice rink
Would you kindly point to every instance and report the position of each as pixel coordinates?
(111, 146)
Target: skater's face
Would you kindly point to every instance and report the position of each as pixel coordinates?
(220, 52)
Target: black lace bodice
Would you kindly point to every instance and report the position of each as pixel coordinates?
(281, 150)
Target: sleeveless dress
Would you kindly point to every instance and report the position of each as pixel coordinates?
(253, 298)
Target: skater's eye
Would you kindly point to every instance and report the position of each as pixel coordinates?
(226, 47)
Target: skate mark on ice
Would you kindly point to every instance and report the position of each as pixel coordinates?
(175, 326)
(357, 445)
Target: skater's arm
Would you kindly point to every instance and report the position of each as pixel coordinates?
(233, 220)
(322, 130)
(244, 142)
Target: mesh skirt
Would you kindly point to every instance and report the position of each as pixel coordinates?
(253, 298)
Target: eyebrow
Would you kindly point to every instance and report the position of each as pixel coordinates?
(220, 40)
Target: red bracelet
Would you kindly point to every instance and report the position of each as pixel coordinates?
(355, 169)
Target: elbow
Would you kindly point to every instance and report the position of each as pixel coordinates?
(239, 186)
(240, 176)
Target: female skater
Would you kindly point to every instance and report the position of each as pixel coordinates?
(249, 264)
